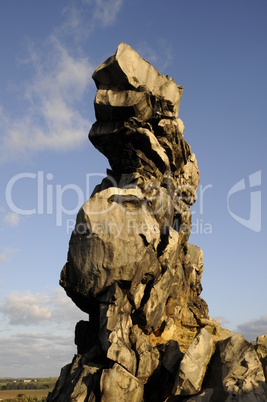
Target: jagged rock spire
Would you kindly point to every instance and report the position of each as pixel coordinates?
(130, 267)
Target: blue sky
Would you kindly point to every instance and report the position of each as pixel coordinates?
(217, 51)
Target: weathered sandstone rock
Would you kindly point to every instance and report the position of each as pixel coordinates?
(205, 396)
(193, 366)
(236, 371)
(121, 105)
(241, 370)
(130, 266)
(148, 356)
(127, 70)
(261, 349)
(262, 340)
(77, 381)
(104, 250)
(172, 356)
(117, 384)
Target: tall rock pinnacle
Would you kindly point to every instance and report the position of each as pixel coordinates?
(130, 266)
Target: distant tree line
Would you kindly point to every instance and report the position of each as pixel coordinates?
(24, 385)
(25, 398)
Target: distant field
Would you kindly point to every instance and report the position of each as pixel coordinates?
(13, 393)
(11, 388)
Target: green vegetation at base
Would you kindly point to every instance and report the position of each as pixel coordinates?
(23, 384)
(26, 390)
(25, 398)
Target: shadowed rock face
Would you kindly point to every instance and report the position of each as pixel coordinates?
(130, 266)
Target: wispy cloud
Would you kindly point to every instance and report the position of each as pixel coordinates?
(253, 328)
(80, 21)
(76, 26)
(5, 254)
(51, 99)
(105, 11)
(222, 320)
(12, 219)
(35, 354)
(51, 119)
(28, 308)
(45, 340)
(25, 309)
(159, 56)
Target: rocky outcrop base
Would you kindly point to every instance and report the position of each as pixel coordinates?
(209, 371)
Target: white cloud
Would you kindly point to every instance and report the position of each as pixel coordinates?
(35, 354)
(160, 56)
(46, 343)
(12, 219)
(4, 255)
(51, 119)
(27, 308)
(75, 26)
(81, 21)
(253, 328)
(63, 310)
(106, 11)
(222, 320)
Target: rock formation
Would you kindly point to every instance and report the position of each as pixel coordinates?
(149, 336)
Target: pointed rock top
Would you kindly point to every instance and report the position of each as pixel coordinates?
(125, 69)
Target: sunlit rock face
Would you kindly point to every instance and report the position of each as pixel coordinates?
(130, 266)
